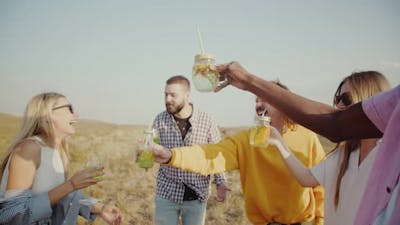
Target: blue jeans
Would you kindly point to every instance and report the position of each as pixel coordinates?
(168, 212)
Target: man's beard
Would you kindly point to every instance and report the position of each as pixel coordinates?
(171, 109)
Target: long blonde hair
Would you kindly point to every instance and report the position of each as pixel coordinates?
(363, 85)
(37, 121)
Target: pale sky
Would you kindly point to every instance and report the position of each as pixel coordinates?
(112, 58)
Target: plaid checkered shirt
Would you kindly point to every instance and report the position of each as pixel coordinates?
(170, 180)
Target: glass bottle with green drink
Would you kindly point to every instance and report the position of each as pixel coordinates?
(146, 158)
(156, 136)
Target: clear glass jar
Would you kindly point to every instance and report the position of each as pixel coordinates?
(205, 77)
(260, 132)
(156, 136)
(146, 158)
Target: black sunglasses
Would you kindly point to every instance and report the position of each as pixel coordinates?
(71, 109)
(345, 98)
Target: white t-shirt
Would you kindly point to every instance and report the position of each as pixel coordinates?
(351, 188)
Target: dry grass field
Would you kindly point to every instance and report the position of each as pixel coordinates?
(128, 186)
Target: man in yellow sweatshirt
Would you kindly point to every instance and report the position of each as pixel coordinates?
(271, 193)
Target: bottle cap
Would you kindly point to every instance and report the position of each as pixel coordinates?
(263, 118)
(148, 131)
(203, 56)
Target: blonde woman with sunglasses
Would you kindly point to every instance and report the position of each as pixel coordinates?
(345, 171)
(35, 188)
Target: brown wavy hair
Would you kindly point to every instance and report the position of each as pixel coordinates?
(289, 123)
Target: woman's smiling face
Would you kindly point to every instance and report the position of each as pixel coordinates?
(63, 117)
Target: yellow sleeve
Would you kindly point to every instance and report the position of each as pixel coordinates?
(319, 221)
(318, 156)
(208, 159)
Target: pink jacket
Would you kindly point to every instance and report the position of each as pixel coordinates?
(384, 112)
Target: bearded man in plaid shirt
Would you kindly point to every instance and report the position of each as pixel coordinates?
(181, 194)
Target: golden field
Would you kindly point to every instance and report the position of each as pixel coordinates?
(131, 188)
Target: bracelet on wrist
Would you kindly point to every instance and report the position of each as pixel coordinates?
(72, 184)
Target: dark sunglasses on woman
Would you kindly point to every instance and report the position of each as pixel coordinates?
(345, 98)
(71, 109)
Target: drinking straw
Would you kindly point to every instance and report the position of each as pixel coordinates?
(265, 111)
(200, 40)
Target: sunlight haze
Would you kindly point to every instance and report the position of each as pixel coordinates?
(112, 58)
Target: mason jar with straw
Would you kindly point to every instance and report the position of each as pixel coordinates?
(204, 75)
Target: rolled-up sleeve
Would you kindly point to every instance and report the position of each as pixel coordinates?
(85, 210)
(219, 179)
(40, 207)
(215, 137)
(21, 207)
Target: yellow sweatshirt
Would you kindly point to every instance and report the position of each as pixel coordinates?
(271, 193)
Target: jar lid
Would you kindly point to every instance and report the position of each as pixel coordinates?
(263, 118)
(204, 56)
(148, 131)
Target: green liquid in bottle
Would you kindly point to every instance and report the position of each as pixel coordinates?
(146, 159)
(156, 140)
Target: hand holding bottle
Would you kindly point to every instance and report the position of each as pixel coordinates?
(96, 170)
(161, 154)
(145, 155)
(86, 177)
(277, 141)
(235, 74)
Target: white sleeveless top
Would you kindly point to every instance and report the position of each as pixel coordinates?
(352, 186)
(49, 174)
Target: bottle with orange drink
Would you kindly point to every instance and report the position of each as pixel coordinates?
(260, 132)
